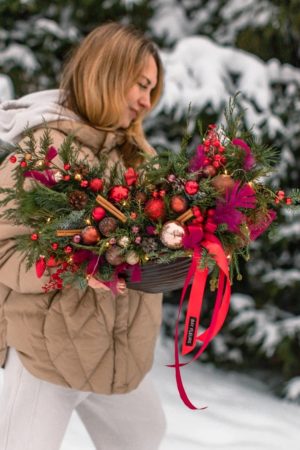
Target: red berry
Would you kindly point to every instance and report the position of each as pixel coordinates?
(13, 159)
(288, 201)
(23, 164)
(216, 164)
(84, 183)
(68, 249)
(67, 166)
(54, 245)
(67, 177)
(34, 237)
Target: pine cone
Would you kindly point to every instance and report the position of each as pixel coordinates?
(78, 199)
(81, 169)
(149, 245)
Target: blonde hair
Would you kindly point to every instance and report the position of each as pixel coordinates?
(98, 75)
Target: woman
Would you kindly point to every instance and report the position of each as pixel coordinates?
(85, 350)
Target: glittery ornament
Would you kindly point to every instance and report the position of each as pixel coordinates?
(209, 171)
(90, 235)
(172, 234)
(191, 187)
(107, 225)
(96, 184)
(76, 239)
(123, 241)
(114, 255)
(222, 183)
(98, 213)
(132, 258)
(178, 204)
(78, 177)
(155, 209)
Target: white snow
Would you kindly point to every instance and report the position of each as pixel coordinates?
(241, 413)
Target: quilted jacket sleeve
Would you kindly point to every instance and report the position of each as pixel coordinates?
(13, 272)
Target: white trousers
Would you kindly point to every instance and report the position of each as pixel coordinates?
(34, 414)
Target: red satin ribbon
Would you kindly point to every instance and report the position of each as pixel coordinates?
(214, 247)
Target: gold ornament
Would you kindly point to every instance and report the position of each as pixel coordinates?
(28, 156)
(77, 177)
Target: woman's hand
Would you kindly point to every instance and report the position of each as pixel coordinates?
(98, 284)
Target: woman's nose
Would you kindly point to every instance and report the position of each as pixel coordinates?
(145, 101)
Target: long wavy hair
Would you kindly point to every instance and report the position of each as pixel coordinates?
(99, 74)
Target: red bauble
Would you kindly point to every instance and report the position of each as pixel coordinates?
(98, 213)
(67, 177)
(23, 164)
(191, 187)
(84, 183)
(96, 184)
(155, 209)
(54, 245)
(13, 159)
(68, 249)
(90, 235)
(118, 193)
(178, 204)
(67, 166)
(209, 171)
(34, 237)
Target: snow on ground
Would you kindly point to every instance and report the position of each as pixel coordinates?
(241, 413)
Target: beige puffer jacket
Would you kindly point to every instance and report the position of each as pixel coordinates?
(89, 340)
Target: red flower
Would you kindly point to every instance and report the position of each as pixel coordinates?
(130, 176)
(118, 193)
(191, 187)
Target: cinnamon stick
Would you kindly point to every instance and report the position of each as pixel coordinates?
(111, 208)
(66, 233)
(185, 216)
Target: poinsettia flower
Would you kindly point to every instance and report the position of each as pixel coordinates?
(249, 160)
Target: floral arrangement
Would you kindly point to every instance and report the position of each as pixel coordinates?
(206, 204)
